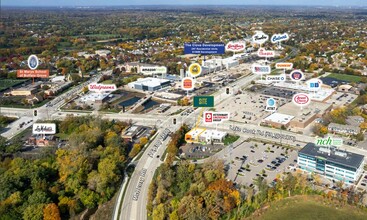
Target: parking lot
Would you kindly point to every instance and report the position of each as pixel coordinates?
(200, 151)
(362, 184)
(341, 99)
(252, 159)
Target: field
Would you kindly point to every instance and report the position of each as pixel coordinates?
(230, 139)
(109, 81)
(309, 208)
(344, 77)
(7, 83)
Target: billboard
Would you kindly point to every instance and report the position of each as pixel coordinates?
(44, 128)
(33, 73)
(204, 48)
(95, 87)
(203, 101)
(235, 46)
(147, 70)
(265, 53)
(261, 69)
(187, 83)
(215, 117)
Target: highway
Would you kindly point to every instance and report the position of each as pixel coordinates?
(136, 209)
(133, 204)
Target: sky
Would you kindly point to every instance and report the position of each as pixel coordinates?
(179, 2)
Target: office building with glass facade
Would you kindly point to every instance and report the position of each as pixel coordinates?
(333, 163)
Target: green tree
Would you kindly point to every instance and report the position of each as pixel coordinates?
(89, 198)
(33, 212)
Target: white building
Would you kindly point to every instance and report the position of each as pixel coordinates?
(219, 64)
(149, 84)
(103, 53)
(95, 97)
(278, 120)
(200, 135)
(334, 164)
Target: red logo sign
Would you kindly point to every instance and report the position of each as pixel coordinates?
(235, 47)
(187, 83)
(208, 117)
(265, 53)
(301, 99)
(33, 73)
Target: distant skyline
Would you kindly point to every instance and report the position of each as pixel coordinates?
(180, 2)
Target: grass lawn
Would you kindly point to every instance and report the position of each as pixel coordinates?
(309, 208)
(344, 77)
(109, 81)
(7, 83)
(230, 139)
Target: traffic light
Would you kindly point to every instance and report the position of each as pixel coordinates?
(174, 121)
(35, 113)
(227, 90)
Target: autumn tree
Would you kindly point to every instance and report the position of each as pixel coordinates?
(51, 212)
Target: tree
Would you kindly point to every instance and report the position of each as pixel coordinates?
(159, 212)
(89, 198)
(136, 149)
(33, 212)
(143, 140)
(51, 212)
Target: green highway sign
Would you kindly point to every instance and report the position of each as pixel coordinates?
(203, 101)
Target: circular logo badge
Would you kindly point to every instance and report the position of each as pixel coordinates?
(195, 69)
(301, 99)
(297, 75)
(271, 102)
(33, 62)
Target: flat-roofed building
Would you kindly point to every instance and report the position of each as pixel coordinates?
(331, 162)
(320, 95)
(278, 120)
(202, 135)
(130, 133)
(306, 115)
(96, 97)
(26, 90)
(212, 136)
(344, 129)
(149, 84)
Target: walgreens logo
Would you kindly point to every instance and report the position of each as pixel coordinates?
(301, 99)
(102, 87)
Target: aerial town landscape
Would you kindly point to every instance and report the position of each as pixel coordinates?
(156, 112)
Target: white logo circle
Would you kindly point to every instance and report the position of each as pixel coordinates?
(33, 62)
